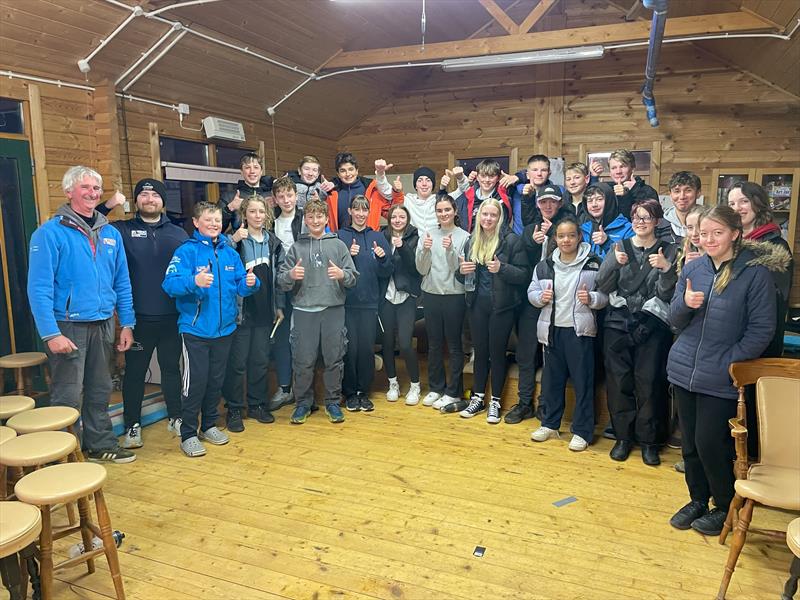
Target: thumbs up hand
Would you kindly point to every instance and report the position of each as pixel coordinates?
(547, 293)
(596, 168)
(250, 280)
(583, 295)
(493, 266)
(445, 180)
(240, 234)
(204, 279)
(599, 237)
(354, 248)
(691, 298)
(619, 189)
(630, 183)
(465, 267)
(397, 185)
(546, 225)
(118, 199)
(378, 250)
(538, 235)
(507, 180)
(298, 272)
(447, 241)
(659, 261)
(235, 203)
(327, 186)
(381, 167)
(334, 272)
(427, 243)
(397, 241)
(528, 189)
(457, 172)
(691, 255)
(620, 254)
(473, 175)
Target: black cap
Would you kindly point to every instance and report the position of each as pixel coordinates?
(549, 191)
(424, 172)
(148, 184)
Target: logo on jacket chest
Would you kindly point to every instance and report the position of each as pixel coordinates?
(138, 233)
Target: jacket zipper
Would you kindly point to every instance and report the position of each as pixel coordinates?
(219, 292)
(702, 333)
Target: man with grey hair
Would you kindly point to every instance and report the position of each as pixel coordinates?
(77, 278)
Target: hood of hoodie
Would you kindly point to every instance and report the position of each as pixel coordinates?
(776, 258)
(264, 187)
(75, 220)
(610, 209)
(576, 264)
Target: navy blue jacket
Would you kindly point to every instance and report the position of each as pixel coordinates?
(149, 248)
(371, 269)
(735, 325)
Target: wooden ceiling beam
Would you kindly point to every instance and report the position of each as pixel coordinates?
(500, 16)
(566, 38)
(535, 15)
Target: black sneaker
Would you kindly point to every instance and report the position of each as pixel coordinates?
(476, 405)
(352, 403)
(365, 403)
(684, 518)
(261, 414)
(234, 420)
(116, 455)
(710, 523)
(518, 413)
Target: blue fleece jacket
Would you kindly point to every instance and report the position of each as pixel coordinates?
(77, 273)
(207, 312)
(371, 269)
(619, 229)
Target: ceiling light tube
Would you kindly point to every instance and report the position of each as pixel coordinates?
(519, 59)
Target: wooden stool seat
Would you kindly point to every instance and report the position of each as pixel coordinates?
(20, 525)
(22, 360)
(49, 418)
(36, 449)
(60, 483)
(793, 537)
(12, 405)
(6, 433)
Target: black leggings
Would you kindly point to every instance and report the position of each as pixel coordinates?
(707, 445)
(359, 361)
(490, 332)
(402, 316)
(444, 317)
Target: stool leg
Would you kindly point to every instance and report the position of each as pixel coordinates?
(86, 533)
(78, 452)
(20, 382)
(28, 560)
(46, 554)
(109, 546)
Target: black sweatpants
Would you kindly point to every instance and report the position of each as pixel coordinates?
(160, 334)
(636, 380)
(204, 361)
(402, 318)
(249, 355)
(707, 446)
(444, 316)
(359, 360)
(528, 354)
(490, 332)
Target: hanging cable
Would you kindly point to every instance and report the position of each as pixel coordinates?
(274, 142)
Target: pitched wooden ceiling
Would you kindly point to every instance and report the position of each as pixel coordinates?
(48, 37)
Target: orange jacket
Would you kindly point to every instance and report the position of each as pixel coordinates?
(378, 205)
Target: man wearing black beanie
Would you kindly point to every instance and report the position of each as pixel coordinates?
(150, 240)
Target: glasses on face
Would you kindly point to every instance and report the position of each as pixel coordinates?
(638, 219)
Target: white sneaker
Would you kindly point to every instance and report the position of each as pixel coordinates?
(133, 437)
(544, 433)
(493, 414)
(578, 444)
(394, 391)
(412, 396)
(430, 398)
(174, 425)
(443, 400)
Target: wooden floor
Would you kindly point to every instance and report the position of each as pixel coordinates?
(392, 504)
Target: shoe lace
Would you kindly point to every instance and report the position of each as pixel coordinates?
(475, 404)
(494, 408)
(133, 431)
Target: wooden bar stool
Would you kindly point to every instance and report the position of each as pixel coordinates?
(49, 418)
(71, 482)
(6, 433)
(21, 362)
(12, 405)
(20, 527)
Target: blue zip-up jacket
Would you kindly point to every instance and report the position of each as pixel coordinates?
(735, 325)
(77, 273)
(371, 269)
(619, 229)
(207, 312)
(149, 248)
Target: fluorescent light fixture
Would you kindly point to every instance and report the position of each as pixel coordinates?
(519, 59)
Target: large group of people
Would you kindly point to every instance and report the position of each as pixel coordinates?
(594, 280)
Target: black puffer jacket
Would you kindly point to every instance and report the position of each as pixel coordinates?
(231, 217)
(639, 191)
(510, 283)
(405, 274)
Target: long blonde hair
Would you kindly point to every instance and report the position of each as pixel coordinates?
(484, 245)
(726, 216)
(697, 209)
(269, 217)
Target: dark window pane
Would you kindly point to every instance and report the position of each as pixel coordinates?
(230, 158)
(181, 198)
(469, 164)
(183, 151)
(10, 116)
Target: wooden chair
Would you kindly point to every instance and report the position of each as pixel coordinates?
(20, 527)
(71, 482)
(775, 479)
(793, 541)
(21, 363)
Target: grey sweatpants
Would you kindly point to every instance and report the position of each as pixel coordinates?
(86, 369)
(315, 333)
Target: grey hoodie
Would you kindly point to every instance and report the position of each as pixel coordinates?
(438, 266)
(316, 291)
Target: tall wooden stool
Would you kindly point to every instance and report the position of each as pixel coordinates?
(12, 405)
(6, 433)
(22, 362)
(71, 482)
(49, 418)
(20, 527)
